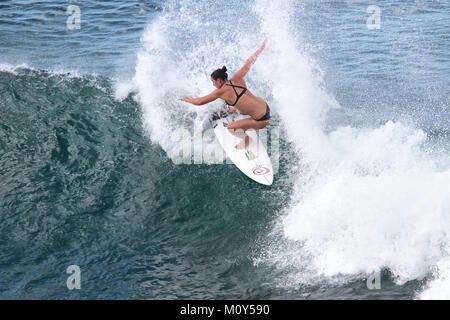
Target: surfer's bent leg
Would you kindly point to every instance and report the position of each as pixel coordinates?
(240, 133)
(239, 127)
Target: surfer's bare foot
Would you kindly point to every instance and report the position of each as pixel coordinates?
(245, 142)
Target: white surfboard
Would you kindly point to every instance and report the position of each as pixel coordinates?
(253, 160)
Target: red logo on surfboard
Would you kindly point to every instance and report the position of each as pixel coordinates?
(259, 170)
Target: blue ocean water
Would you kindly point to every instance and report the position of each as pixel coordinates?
(360, 96)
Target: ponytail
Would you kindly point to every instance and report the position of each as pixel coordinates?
(220, 74)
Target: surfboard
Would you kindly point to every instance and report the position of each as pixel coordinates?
(252, 160)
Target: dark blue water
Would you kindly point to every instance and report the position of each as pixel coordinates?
(88, 178)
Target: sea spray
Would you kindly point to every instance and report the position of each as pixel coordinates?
(369, 199)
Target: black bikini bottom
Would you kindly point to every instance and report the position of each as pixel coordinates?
(267, 115)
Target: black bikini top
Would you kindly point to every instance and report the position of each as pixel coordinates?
(238, 96)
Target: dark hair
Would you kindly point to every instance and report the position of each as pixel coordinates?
(220, 74)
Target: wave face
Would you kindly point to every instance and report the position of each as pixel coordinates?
(82, 184)
(88, 177)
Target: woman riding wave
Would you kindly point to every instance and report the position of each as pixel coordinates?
(236, 90)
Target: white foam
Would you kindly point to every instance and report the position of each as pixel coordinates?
(123, 88)
(56, 71)
(158, 80)
(370, 198)
(13, 68)
(438, 289)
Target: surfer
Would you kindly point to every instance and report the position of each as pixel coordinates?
(237, 96)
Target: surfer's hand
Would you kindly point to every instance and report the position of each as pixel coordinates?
(232, 109)
(186, 99)
(252, 59)
(263, 45)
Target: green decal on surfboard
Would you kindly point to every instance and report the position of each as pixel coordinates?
(250, 155)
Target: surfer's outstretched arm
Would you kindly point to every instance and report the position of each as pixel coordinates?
(246, 67)
(204, 100)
